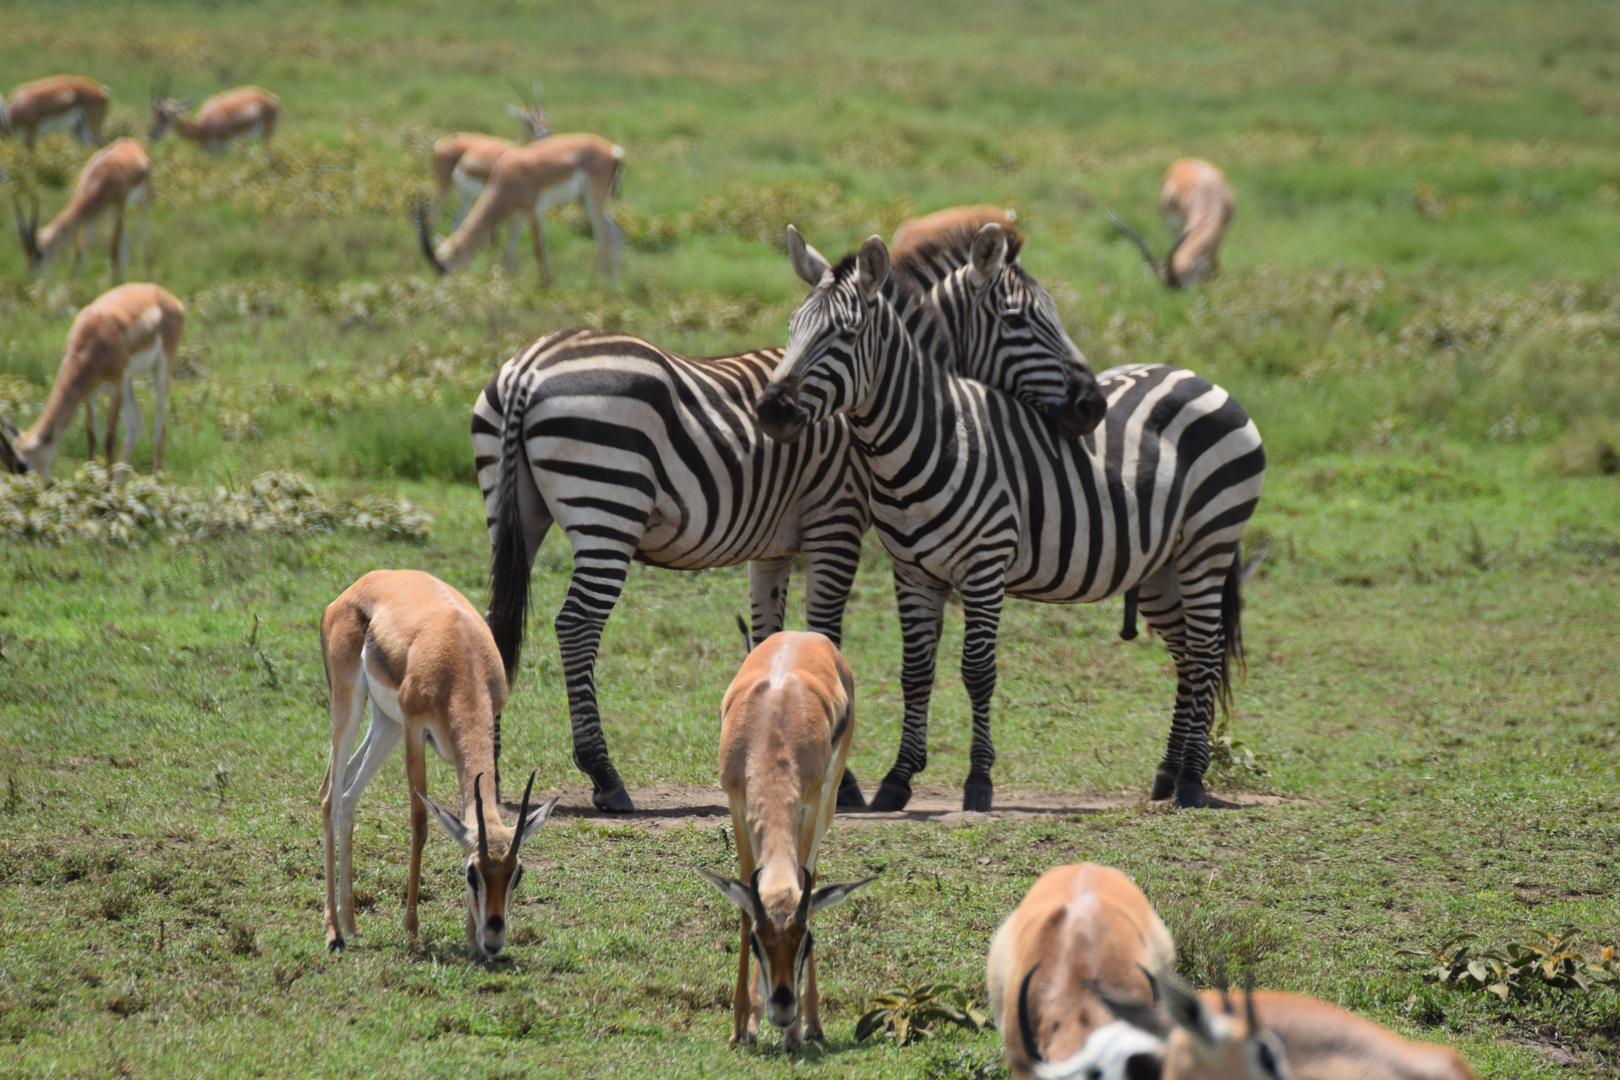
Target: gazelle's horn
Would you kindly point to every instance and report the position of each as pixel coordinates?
(1248, 1001)
(1155, 265)
(419, 211)
(801, 914)
(1169, 274)
(483, 837)
(523, 818)
(753, 892)
(1026, 1030)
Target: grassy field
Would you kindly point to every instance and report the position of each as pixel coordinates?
(1419, 304)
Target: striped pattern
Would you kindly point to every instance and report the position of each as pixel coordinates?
(638, 453)
(971, 491)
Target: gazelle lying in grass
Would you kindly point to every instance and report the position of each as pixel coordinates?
(112, 180)
(246, 112)
(785, 727)
(58, 103)
(128, 331)
(1078, 928)
(1196, 202)
(415, 648)
(1278, 1037)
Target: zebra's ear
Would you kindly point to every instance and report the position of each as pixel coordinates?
(807, 261)
(872, 266)
(989, 253)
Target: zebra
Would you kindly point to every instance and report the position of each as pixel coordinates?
(970, 491)
(639, 453)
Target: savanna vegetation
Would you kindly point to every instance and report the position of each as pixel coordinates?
(1419, 304)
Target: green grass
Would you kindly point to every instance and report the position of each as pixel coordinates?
(1419, 304)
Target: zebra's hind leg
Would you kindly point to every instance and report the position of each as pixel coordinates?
(922, 609)
(1200, 667)
(599, 572)
(829, 575)
(981, 605)
(1160, 605)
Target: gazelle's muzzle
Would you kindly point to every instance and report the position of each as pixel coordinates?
(780, 413)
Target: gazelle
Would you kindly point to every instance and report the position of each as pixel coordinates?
(785, 728)
(415, 648)
(1279, 1036)
(527, 180)
(917, 232)
(1078, 928)
(1196, 202)
(59, 103)
(111, 181)
(246, 112)
(131, 330)
(464, 161)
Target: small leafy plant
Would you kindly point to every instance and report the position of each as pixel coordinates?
(1520, 969)
(910, 1016)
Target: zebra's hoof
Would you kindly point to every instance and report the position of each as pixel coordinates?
(1191, 796)
(891, 797)
(977, 797)
(616, 801)
(850, 796)
(1164, 785)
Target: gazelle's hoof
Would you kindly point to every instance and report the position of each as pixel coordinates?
(850, 796)
(1190, 796)
(891, 797)
(615, 801)
(335, 944)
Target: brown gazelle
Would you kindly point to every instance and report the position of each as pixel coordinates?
(1279, 1036)
(112, 180)
(1078, 929)
(914, 234)
(785, 728)
(59, 103)
(415, 648)
(527, 180)
(131, 330)
(1196, 202)
(246, 112)
(463, 162)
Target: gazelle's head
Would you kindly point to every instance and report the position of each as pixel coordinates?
(1113, 1051)
(10, 460)
(493, 870)
(1205, 1043)
(532, 113)
(30, 451)
(164, 110)
(779, 935)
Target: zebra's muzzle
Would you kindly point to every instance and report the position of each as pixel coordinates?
(780, 413)
(1082, 410)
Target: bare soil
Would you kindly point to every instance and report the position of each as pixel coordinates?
(667, 806)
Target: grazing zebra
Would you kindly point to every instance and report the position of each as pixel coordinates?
(639, 453)
(970, 491)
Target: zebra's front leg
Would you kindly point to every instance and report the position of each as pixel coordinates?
(981, 606)
(767, 594)
(922, 610)
(599, 573)
(829, 577)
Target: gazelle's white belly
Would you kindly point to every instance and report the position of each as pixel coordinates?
(468, 187)
(570, 190)
(144, 362)
(68, 121)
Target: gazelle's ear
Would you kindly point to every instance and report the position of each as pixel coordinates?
(807, 261)
(1252, 563)
(451, 824)
(989, 253)
(872, 266)
(1270, 1059)
(537, 818)
(1139, 1014)
(732, 889)
(832, 895)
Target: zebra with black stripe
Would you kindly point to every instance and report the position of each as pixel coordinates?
(971, 492)
(639, 453)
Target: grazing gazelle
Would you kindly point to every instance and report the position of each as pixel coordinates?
(527, 180)
(59, 103)
(785, 728)
(415, 648)
(1278, 1036)
(1196, 202)
(131, 330)
(465, 160)
(1078, 929)
(111, 181)
(246, 112)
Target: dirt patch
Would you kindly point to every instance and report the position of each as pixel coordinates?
(668, 806)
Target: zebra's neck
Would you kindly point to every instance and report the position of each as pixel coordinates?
(908, 406)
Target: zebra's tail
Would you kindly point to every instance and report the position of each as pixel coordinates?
(509, 560)
(1232, 620)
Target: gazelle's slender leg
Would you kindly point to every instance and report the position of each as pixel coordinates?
(416, 775)
(538, 221)
(119, 251)
(90, 422)
(146, 230)
(114, 406)
(383, 734)
(745, 1003)
(512, 243)
(78, 252)
(160, 378)
(131, 416)
(348, 705)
